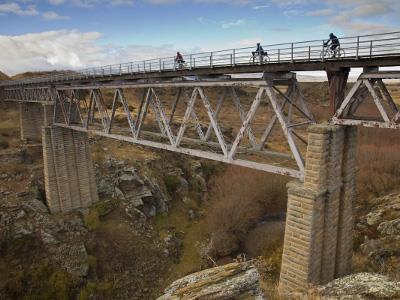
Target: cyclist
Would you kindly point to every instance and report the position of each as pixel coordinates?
(179, 59)
(334, 43)
(259, 52)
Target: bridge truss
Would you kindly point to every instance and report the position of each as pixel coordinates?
(260, 124)
(370, 103)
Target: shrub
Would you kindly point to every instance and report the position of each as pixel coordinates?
(4, 144)
(92, 220)
(211, 168)
(41, 282)
(104, 207)
(171, 183)
(96, 290)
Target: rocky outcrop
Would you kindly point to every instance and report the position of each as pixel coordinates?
(62, 238)
(361, 286)
(379, 230)
(119, 180)
(225, 282)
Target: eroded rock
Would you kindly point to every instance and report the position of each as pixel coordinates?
(224, 282)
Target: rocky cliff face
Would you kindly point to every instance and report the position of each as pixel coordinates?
(231, 281)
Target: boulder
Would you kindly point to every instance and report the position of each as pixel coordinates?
(361, 286)
(234, 280)
(390, 227)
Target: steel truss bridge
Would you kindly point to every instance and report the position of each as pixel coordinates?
(201, 111)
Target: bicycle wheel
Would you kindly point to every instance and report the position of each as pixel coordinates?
(266, 59)
(325, 54)
(253, 60)
(341, 53)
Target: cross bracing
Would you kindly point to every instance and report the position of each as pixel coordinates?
(370, 103)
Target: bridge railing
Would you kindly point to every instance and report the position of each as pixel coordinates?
(351, 48)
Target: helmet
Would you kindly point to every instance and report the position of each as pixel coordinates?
(331, 34)
(258, 44)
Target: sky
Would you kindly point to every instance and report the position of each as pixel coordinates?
(74, 34)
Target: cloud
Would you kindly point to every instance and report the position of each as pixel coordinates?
(56, 2)
(15, 8)
(68, 49)
(321, 13)
(51, 15)
(260, 7)
(359, 16)
(227, 25)
(223, 24)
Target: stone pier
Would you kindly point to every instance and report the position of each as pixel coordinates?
(68, 170)
(32, 117)
(319, 222)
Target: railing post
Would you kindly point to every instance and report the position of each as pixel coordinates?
(292, 54)
(191, 64)
(370, 49)
(234, 57)
(160, 64)
(358, 47)
(309, 53)
(110, 70)
(144, 66)
(323, 51)
(279, 55)
(211, 59)
(231, 59)
(131, 68)
(120, 69)
(194, 62)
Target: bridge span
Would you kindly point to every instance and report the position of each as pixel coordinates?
(201, 109)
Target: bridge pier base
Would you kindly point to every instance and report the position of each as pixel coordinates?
(68, 170)
(32, 117)
(319, 222)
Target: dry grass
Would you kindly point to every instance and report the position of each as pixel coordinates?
(378, 161)
(241, 198)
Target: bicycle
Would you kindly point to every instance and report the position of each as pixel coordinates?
(179, 65)
(259, 58)
(328, 53)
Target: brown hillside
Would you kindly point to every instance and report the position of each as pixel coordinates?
(26, 75)
(31, 74)
(4, 76)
